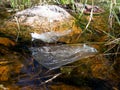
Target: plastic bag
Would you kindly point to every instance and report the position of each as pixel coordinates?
(53, 57)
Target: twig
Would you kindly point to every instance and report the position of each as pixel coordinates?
(18, 25)
(110, 15)
(49, 80)
(115, 41)
(105, 54)
(91, 15)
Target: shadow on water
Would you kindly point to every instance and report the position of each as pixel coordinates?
(34, 76)
(32, 73)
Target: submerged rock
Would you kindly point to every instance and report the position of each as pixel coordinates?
(6, 41)
(4, 73)
(53, 57)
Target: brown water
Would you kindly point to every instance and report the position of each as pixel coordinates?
(18, 69)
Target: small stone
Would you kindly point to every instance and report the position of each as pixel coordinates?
(4, 73)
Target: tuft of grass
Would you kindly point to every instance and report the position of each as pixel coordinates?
(20, 4)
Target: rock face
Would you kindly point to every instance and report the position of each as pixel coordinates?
(48, 18)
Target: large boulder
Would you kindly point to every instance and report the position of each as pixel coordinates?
(49, 18)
